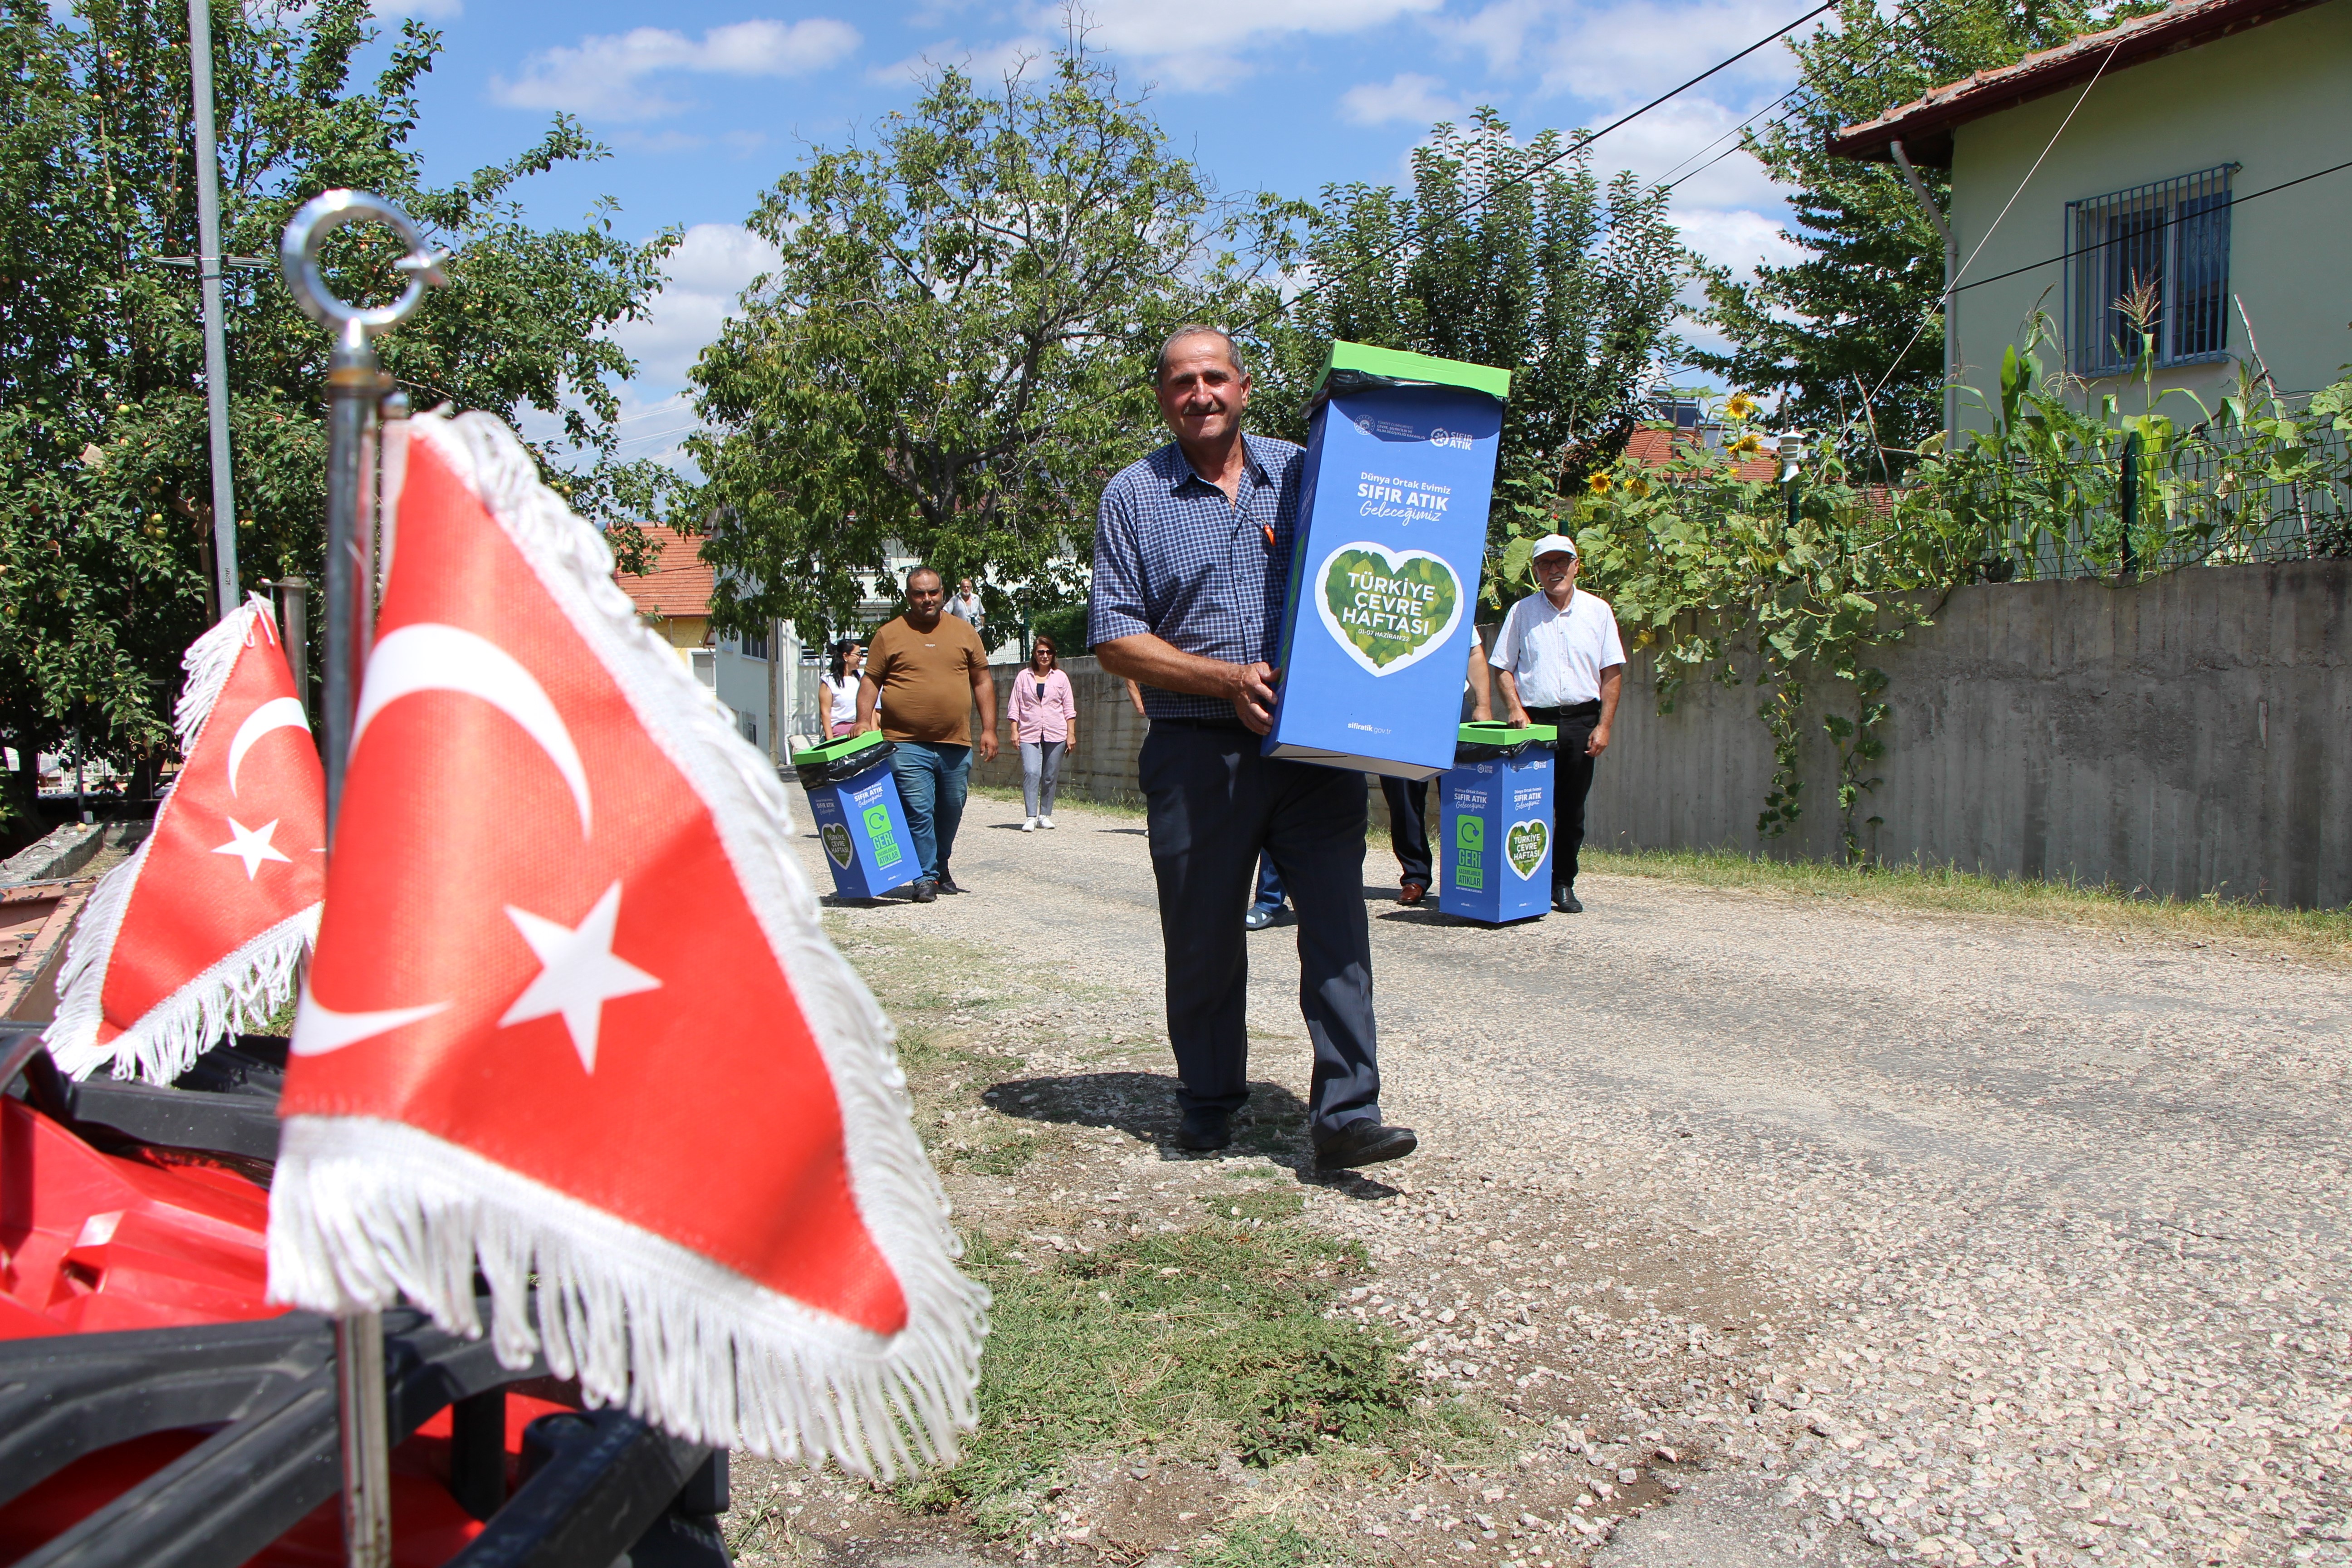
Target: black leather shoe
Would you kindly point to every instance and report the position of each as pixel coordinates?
(1204, 1130)
(1365, 1142)
(1565, 900)
(925, 893)
(948, 883)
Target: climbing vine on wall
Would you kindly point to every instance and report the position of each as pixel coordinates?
(1791, 588)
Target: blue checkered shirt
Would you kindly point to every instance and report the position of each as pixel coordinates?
(1173, 557)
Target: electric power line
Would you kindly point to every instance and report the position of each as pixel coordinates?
(1528, 173)
(2231, 202)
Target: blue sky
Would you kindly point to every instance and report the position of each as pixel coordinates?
(705, 102)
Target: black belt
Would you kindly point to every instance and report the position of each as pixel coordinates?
(1572, 711)
(1204, 724)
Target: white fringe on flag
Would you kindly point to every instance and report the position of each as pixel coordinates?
(364, 1212)
(242, 990)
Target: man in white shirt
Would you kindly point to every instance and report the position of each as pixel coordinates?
(1558, 661)
(965, 604)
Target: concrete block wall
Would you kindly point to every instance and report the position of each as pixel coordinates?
(1110, 733)
(2185, 735)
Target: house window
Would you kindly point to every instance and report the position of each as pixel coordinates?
(752, 645)
(748, 727)
(2163, 248)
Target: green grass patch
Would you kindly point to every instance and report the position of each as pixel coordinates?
(1187, 1342)
(2216, 920)
(1260, 1543)
(1002, 1158)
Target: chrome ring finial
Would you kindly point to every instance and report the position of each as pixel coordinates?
(298, 256)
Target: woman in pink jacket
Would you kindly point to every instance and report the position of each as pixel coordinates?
(1045, 719)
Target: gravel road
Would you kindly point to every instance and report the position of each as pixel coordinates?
(1869, 1232)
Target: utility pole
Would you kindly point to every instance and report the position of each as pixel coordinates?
(208, 275)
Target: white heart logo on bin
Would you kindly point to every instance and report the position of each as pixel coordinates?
(836, 844)
(1389, 608)
(1525, 844)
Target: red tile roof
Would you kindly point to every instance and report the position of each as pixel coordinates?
(680, 583)
(1924, 126)
(1653, 445)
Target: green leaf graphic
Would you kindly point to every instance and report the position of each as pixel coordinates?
(1389, 613)
(836, 844)
(1524, 847)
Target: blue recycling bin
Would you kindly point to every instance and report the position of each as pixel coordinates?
(860, 821)
(1383, 590)
(1494, 824)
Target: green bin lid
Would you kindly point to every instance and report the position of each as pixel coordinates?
(1397, 364)
(834, 749)
(1499, 732)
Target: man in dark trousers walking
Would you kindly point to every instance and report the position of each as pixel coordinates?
(1191, 562)
(1559, 662)
(1409, 802)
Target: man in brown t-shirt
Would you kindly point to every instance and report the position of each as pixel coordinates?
(927, 670)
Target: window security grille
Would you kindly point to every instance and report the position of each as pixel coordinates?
(2167, 243)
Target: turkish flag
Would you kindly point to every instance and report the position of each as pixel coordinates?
(202, 930)
(571, 1015)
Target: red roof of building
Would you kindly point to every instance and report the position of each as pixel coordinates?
(1653, 446)
(1925, 125)
(680, 583)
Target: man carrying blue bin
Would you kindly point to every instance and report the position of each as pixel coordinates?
(1558, 661)
(1191, 569)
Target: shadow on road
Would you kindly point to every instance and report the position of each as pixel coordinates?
(1143, 1105)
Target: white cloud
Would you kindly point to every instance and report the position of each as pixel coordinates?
(1412, 98)
(987, 65)
(600, 77)
(1738, 239)
(1194, 47)
(713, 264)
(1623, 54)
(1693, 142)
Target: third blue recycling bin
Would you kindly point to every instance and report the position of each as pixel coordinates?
(1494, 824)
(859, 819)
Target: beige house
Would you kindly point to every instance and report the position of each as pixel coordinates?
(674, 599)
(2191, 155)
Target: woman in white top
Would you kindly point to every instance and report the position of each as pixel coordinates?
(840, 715)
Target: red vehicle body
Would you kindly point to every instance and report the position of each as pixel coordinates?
(115, 1247)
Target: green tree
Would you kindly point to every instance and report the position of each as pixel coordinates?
(1506, 254)
(1864, 306)
(950, 354)
(105, 497)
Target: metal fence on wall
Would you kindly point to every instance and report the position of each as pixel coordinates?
(2206, 501)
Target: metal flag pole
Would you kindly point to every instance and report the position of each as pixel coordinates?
(208, 275)
(356, 388)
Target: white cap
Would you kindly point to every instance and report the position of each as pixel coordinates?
(1553, 544)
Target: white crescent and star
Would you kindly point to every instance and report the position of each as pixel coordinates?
(578, 972)
(252, 846)
(428, 656)
(278, 713)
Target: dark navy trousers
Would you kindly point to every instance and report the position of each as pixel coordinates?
(1213, 803)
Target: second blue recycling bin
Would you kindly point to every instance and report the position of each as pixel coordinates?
(1494, 824)
(859, 819)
